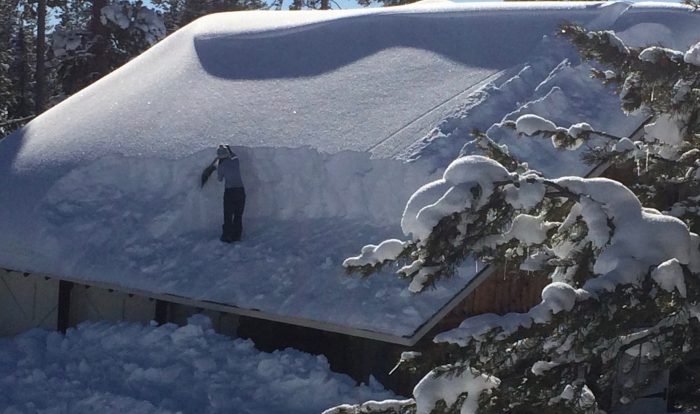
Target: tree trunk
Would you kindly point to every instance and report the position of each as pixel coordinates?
(101, 62)
(39, 75)
(23, 107)
(325, 5)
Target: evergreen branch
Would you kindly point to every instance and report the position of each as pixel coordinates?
(17, 120)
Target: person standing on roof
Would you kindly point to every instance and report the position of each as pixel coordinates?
(229, 171)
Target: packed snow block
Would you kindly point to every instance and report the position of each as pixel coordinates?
(26, 301)
(223, 323)
(89, 303)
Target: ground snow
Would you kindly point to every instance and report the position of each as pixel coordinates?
(133, 368)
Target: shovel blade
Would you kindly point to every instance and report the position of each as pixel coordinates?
(206, 173)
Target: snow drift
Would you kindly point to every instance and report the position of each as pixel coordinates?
(127, 367)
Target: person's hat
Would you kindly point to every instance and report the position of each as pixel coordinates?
(222, 151)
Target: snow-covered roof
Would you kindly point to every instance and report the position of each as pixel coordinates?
(324, 110)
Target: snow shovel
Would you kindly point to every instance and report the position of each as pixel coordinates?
(207, 171)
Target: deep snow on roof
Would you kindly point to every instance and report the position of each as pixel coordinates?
(323, 108)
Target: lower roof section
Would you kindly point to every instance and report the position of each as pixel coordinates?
(407, 340)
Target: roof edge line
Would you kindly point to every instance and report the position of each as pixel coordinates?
(449, 306)
(217, 306)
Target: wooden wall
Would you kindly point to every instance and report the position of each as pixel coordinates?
(500, 293)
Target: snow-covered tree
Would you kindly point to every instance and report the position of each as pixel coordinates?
(624, 278)
(92, 41)
(178, 13)
(662, 166)
(6, 90)
(17, 64)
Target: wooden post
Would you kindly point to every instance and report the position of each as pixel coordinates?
(161, 313)
(63, 319)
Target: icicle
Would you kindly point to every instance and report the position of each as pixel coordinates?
(646, 167)
(505, 268)
(476, 266)
(527, 256)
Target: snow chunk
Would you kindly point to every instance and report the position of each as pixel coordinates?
(597, 222)
(681, 90)
(623, 145)
(475, 169)
(151, 24)
(577, 129)
(372, 255)
(667, 129)
(559, 296)
(64, 42)
(370, 407)
(467, 183)
(411, 268)
(587, 398)
(448, 387)
(568, 393)
(692, 56)
(615, 41)
(528, 229)
(475, 327)
(654, 53)
(421, 278)
(526, 196)
(540, 367)
(115, 13)
(532, 124)
(426, 195)
(535, 261)
(669, 275)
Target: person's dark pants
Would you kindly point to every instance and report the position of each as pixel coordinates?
(234, 203)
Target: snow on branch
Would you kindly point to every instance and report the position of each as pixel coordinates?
(594, 241)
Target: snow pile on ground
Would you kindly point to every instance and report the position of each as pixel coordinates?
(337, 117)
(132, 368)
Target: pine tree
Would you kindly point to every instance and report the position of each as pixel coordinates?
(624, 278)
(17, 64)
(178, 13)
(97, 37)
(7, 97)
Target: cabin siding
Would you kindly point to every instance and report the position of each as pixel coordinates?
(500, 293)
(26, 301)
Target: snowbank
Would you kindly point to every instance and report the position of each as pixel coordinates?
(125, 367)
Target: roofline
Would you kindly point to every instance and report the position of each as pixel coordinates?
(222, 307)
(449, 306)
